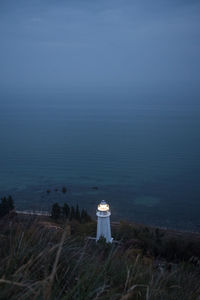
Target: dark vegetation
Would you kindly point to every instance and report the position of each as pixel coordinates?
(67, 212)
(6, 205)
(39, 261)
(171, 245)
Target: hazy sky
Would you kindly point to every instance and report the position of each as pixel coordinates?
(89, 42)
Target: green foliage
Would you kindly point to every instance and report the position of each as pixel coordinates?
(103, 245)
(85, 217)
(77, 214)
(10, 203)
(70, 213)
(84, 229)
(66, 210)
(55, 211)
(6, 205)
(102, 241)
(155, 242)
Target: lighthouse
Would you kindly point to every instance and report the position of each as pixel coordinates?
(103, 222)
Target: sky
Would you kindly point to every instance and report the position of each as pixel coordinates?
(99, 43)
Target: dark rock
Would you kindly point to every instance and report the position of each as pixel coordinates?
(95, 188)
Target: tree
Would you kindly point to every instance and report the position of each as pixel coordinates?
(77, 214)
(72, 213)
(6, 206)
(85, 217)
(10, 202)
(83, 214)
(66, 210)
(55, 211)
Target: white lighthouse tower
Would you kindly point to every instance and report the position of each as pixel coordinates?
(103, 222)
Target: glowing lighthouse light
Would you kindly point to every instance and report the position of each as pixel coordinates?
(103, 222)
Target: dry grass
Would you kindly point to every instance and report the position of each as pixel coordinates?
(37, 263)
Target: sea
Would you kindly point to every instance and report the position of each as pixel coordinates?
(136, 148)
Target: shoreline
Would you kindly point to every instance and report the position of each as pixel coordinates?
(41, 197)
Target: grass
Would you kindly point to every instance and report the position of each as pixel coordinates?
(41, 263)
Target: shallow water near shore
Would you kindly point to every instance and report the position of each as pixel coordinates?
(142, 152)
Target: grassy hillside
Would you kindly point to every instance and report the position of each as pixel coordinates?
(41, 259)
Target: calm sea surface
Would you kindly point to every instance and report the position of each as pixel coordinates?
(141, 151)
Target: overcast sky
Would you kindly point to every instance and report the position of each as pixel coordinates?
(89, 42)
